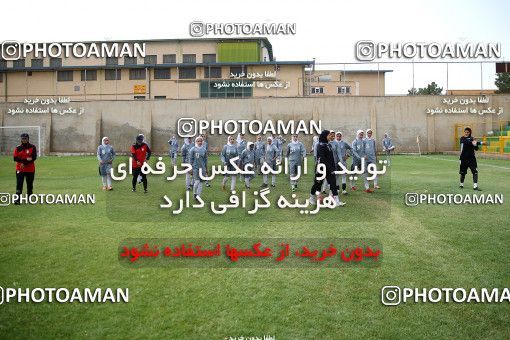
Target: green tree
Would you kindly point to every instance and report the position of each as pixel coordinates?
(431, 89)
(503, 83)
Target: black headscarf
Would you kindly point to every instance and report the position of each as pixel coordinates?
(323, 138)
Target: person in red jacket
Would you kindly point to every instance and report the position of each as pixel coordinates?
(140, 152)
(25, 155)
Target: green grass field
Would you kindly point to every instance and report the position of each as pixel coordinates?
(424, 246)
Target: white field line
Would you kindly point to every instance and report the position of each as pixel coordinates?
(457, 161)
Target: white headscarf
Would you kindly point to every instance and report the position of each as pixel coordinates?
(196, 139)
(228, 140)
(248, 145)
(358, 133)
(367, 133)
(103, 139)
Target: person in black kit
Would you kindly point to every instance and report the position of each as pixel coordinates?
(325, 156)
(140, 152)
(468, 145)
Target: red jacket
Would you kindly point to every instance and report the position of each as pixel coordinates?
(21, 153)
(140, 153)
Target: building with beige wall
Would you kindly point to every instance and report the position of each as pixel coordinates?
(170, 69)
(348, 82)
(178, 69)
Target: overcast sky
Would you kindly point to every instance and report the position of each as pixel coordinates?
(326, 30)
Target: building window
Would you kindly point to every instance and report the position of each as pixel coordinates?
(55, 62)
(169, 59)
(139, 97)
(209, 90)
(150, 59)
(212, 72)
(187, 73)
(20, 63)
(159, 97)
(189, 58)
(88, 75)
(317, 90)
(112, 74)
(112, 61)
(130, 61)
(162, 73)
(37, 63)
(343, 90)
(136, 73)
(64, 75)
(208, 58)
(238, 71)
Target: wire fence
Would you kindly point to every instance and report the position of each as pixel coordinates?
(397, 78)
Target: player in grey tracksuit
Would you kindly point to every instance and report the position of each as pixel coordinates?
(342, 151)
(387, 147)
(185, 159)
(315, 141)
(198, 159)
(174, 149)
(260, 150)
(229, 151)
(296, 153)
(241, 146)
(241, 143)
(278, 142)
(371, 158)
(270, 157)
(248, 158)
(358, 152)
(105, 156)
(206, 146)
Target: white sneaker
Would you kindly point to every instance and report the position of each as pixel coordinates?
(338, 202)
(313, 200)
(344, 192)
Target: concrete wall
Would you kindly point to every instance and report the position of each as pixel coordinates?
(404, 118)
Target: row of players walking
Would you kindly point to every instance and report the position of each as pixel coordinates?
(270, 152)
(329, 148)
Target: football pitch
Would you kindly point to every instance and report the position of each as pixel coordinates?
(423, 246)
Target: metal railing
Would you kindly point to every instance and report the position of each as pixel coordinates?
(494, 135)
